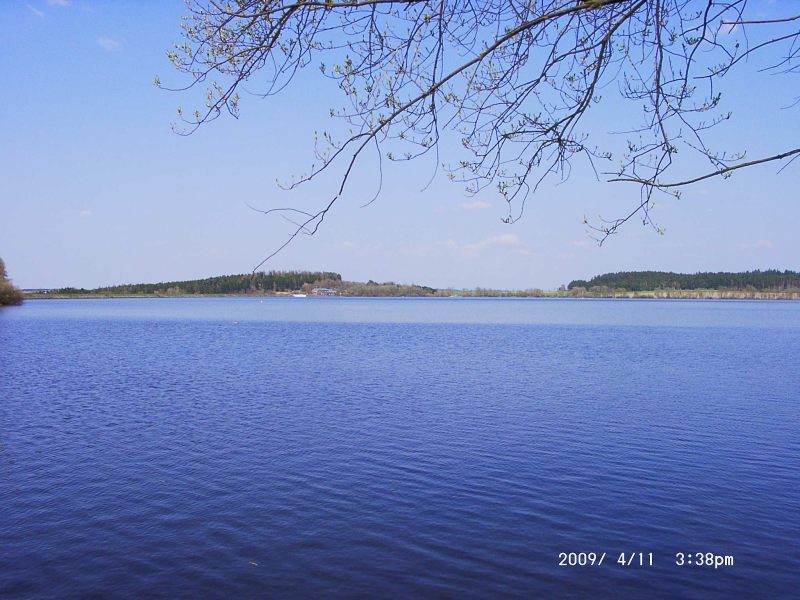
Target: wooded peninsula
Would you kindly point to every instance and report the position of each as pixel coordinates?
(766, 285)
(9, 293)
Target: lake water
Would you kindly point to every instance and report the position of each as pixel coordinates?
(398, 448)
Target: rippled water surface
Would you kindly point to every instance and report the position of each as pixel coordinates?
(397, 448)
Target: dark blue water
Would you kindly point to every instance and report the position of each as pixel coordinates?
(398, 448)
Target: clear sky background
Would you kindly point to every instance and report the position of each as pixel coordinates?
(96, 189)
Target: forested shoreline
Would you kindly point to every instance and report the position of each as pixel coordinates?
(250, 283)
(639, 281)
(765, 285)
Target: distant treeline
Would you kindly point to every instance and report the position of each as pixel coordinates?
(372, 288)
(636, 281)
(746, 284)
(274, 281)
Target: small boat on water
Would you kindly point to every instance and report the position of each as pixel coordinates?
(299, 295)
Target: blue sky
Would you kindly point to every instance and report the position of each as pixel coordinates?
(97, 189)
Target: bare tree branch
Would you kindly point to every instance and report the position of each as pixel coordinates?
(517, 81)
(717, 173)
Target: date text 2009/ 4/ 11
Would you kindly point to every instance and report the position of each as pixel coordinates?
(597, 559)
